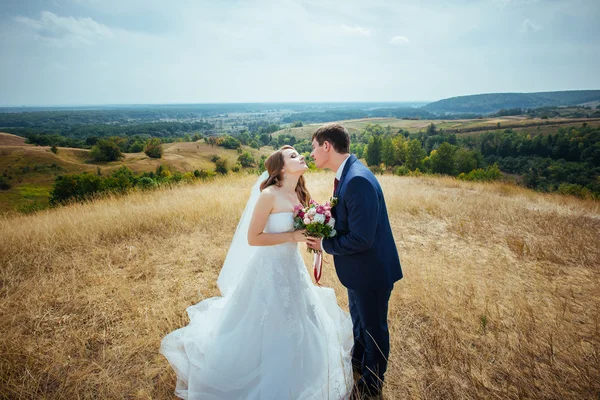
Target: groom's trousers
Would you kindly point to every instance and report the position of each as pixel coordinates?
(369, 311)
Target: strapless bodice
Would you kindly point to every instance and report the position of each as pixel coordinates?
(280, 222)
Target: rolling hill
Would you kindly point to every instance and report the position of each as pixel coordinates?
(493, 102)
(31, 170)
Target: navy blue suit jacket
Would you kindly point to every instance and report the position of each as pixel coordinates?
(364, 249)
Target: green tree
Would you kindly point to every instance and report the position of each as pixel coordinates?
(54, 149)
(246, 159)
(106, 150)
(75, 186)
(4, 184)
(265, 139)
(442, 159)
(373, 155)
(153, 148)
(466, 161)
(400, 148)
(136, 147)
(120, 180)
(414, 154)
(432, 130)
(230, 143)
(388, 155)
(221, 166)
(261, 164)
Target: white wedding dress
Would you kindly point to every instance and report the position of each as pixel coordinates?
(273, 334)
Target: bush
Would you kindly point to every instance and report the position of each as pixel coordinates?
(163, 171)
(417, 172)
(221, 166)
(4, 184)
(176, 177)
(54, 149)
(246, 159)
(214, 158)
(203, 174)
(230, 142)
(106, 150)
(236, 168)
(188, 176)
(136, 147)
(376, 169)
(401, 171)
(119, 181)
(147, 183)
(153, 148)
(575, 190)
(77, 186)
(261, 164)
(491, 173)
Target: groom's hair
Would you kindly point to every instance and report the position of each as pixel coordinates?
(335, 134)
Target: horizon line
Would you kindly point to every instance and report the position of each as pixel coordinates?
(213, 103)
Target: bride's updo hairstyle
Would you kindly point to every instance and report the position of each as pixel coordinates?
(274, 164)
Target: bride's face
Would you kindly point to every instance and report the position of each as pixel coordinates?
(293, 163)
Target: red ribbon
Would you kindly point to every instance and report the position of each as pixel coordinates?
(317, 266)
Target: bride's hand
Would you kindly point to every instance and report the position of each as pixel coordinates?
(299, 236)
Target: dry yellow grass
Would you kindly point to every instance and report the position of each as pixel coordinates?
(501, 295)
(7, 139)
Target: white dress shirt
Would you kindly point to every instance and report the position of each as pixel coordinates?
(338, 174)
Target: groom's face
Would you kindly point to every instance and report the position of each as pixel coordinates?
(320, 153)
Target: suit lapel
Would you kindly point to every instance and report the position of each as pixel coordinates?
(349, 162)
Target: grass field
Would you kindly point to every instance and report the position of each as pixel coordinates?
(500, 300)
(414, 126)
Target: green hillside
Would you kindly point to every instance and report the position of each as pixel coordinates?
(493, 102)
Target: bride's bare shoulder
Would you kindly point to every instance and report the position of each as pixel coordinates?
(268, 195)
(270, 191)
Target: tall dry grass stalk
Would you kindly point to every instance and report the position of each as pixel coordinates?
(501, 295)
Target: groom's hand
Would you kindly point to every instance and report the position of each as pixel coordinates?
(314, 243)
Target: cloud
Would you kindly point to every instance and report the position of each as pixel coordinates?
(399, 41)
(64, 31)
(355, 31)
(529, 26)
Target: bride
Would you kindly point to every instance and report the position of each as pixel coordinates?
(272, 334)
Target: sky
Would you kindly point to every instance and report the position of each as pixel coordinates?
(84, 52)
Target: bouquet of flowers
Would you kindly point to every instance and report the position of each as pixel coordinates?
(318, 222)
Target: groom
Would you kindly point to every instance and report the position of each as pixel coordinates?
(364, 252)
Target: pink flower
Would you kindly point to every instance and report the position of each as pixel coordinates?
(306, 221)
(297, 210)
(320, 210)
